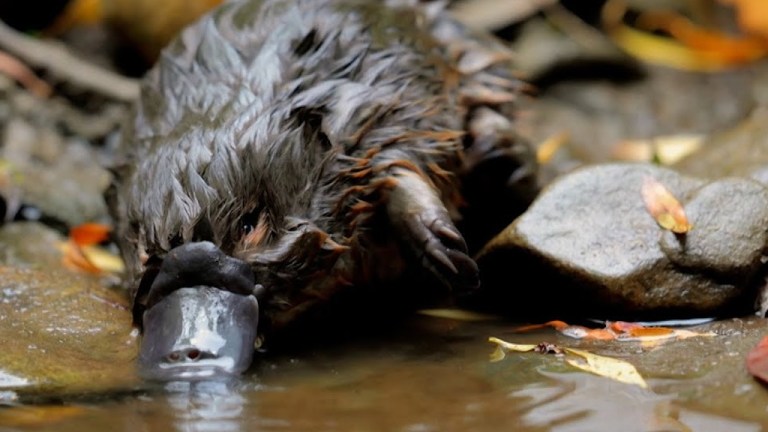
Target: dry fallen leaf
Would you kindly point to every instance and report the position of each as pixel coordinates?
(82, 253)
(608, 367)
(687, 46)
(664, 207)
(509, 346)
(618, 370)
(752, 16)
(15, 69)
(456, 314)
(666, 150)
(546, 149)
(757, 360)
(148, 25)
(89, 233)
(89, 259)
(649, 336)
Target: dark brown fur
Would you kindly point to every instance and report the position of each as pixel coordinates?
(299, 120)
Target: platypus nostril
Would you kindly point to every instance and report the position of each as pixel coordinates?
(190, 354)
(193, 354)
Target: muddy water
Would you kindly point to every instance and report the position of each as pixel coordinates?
(435, 374)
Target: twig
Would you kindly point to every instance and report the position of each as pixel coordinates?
(492, 14)
(60, 62)
(17, 70)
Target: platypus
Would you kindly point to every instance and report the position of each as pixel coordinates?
(284, 152)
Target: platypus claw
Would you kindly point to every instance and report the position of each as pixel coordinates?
(443, 250)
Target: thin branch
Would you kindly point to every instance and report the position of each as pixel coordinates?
(493, 14)
(64, 65)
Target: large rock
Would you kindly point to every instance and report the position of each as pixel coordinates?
(738, 151)
(589, 247)
(62, 332)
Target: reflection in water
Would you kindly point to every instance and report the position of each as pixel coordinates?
(422, 384)
(580, 402)
(206, 406)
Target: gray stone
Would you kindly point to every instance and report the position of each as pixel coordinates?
(589, 247)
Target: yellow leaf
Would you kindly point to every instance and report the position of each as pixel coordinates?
(512, 346)
(665, 51)
(608, 367)
(665, 149)
(688, 46)
(498, 354)
(457, 314)
(664, 207)
(103, 259)
(546, 149)
(90, 259)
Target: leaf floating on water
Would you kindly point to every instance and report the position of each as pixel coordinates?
(498, 354)
(502, 346)
(619, 330)
(509, 346)
(615, 369)
(664, 207)
(757, 360)
(608, 367)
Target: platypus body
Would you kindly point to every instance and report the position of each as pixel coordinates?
(286, 151)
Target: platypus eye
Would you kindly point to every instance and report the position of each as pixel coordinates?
(248, 222)
(253, 227)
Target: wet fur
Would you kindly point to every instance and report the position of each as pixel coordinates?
(294, 116)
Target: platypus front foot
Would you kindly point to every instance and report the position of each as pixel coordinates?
(426, 229)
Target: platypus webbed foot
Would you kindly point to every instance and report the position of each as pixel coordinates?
(201, 316)
(427, 230)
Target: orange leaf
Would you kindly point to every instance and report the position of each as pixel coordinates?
(574, 331)
(757, 360)
(74, 258)
(600, 334)
(14, 68)
(684, 44)
(664, 207)
(715, 44)
(89, 233)
(649, 332)
(622, 326)
(618, 330)
(752, 16)
(557, 325)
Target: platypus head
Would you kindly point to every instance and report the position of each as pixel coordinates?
(200, 315)
(202, 254)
